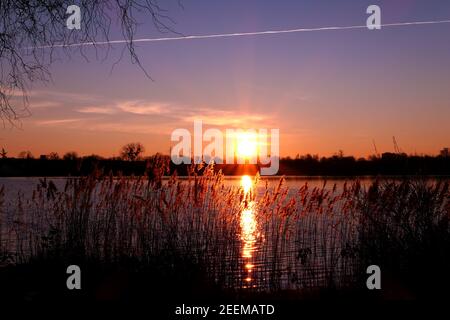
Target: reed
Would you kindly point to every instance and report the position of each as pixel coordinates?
(307, 237)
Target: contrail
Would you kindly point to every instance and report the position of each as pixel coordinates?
(239, 34)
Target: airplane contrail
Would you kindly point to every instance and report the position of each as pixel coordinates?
(239, 34)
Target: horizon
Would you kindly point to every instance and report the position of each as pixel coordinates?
(146, 155)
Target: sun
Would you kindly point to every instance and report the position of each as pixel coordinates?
(247, 145)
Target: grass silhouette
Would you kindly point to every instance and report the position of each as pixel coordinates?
(182, 237)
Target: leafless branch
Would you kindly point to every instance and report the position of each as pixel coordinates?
(30, 30)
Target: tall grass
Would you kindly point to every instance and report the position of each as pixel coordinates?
(405, 228)
(307, 237)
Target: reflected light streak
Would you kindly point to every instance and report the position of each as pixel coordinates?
(249, 227)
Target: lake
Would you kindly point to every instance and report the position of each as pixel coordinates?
(301, 233)
(26, 185)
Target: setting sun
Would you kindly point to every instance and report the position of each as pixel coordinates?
(246, 145)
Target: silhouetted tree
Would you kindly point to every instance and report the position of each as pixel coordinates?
(93, 157)
(132, 151)
(72, 155)
(3, 154)
(53, 156)
(25, 155)
(31, 30)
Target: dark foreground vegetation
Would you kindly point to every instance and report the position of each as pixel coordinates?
(139, 239)
(387, 164)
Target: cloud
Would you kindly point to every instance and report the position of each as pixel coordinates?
(103, 114)
(226, 118)
(43, 99)
(132, 128)
(98, 110)
(144, 108)
(55, 122)
(45, 104)
(61, 95)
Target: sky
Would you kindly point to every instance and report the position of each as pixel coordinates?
(325, 90)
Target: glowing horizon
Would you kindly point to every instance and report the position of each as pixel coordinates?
(325, 89)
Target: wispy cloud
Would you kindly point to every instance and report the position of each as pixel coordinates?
(144, 108)
(55, 122)
(130, 128)
(226, 118)
(44, 104)
(45, 99)
(98, 110)
(93, 125)
(61, 95)
(141, 116)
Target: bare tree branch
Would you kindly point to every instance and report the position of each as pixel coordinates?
(30, 30)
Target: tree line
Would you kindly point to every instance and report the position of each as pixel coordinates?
(132, 161)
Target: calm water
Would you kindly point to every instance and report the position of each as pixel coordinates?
(255, 252)
(25, 185)
(254, 249)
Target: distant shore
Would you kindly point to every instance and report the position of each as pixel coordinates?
(388, 164)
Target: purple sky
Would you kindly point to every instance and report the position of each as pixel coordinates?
(324, 90)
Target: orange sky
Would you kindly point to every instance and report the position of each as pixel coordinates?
(325, 91)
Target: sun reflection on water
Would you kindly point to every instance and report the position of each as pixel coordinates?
(247, 185)
(248, 230)
(249, 227)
